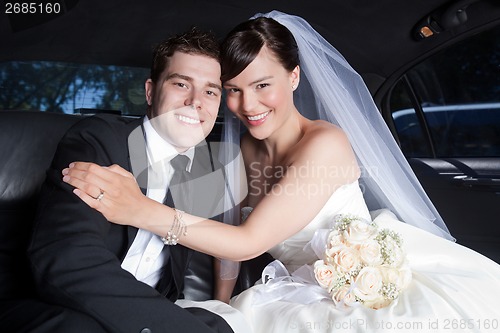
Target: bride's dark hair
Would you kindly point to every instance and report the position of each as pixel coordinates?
(244, 42)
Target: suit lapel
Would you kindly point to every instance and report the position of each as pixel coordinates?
(138, 164)
(138, 157)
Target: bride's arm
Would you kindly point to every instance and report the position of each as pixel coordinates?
(223, 287)
(290, 205)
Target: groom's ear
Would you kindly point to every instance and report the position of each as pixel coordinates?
(148, 87)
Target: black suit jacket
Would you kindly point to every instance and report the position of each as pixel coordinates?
(76, 254)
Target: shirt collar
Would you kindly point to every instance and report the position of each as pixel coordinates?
(159, 149)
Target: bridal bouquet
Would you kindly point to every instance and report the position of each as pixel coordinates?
(363, 264)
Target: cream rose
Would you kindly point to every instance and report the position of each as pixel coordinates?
(368, 283)
(377, 303)
(335, 239)
(344, 258)
(370, 252)
(359, 231)
(344, 294)
(324, 274)
(401, 278)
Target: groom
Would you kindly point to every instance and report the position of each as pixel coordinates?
(109, 272)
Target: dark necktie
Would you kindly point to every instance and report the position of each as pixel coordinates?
(178, 189)
(177, 197)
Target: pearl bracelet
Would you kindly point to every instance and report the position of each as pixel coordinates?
(178, 228)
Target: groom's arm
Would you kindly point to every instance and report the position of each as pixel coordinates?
(71, 261)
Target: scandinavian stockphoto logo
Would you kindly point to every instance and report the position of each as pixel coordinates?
(265, 179)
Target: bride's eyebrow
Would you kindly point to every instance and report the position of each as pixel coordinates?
(230, 85)
(260, 80)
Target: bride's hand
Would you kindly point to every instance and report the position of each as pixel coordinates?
(113, 191)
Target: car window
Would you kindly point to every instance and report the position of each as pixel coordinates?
(72, 88)
(449, 105)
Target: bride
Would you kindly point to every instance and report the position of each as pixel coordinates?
(311, 152)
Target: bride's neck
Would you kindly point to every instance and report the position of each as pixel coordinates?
(283, 139)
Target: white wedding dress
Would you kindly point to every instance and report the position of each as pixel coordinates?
(453, 288)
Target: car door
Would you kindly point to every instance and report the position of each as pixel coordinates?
(445, 114)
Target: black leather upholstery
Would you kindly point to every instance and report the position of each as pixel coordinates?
(28, 142)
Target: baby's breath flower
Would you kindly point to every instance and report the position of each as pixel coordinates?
(389, 291)
(338, 282)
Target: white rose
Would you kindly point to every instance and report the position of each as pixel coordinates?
(324, 273)
(368, 283)
(391, 275)
(344, 294)
(377, 303)
(359, 231)
(370, 252)
(344, 258)
(335, 239)
(401, 277)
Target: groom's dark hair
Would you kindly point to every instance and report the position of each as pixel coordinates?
(193, 41)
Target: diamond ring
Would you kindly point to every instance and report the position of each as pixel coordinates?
(100, 196)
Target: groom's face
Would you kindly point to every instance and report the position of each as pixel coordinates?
(185, 101)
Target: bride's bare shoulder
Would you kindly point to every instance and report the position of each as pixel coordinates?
(327, 145)
(320, 132)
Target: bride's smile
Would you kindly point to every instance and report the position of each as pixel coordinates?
(257, 119)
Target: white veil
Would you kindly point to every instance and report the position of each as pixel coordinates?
(330, 89)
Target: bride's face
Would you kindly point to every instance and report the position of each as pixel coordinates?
(261, 96)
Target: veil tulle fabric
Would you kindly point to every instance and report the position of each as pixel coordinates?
(330, 89)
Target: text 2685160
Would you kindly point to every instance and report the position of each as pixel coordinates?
(32, 8)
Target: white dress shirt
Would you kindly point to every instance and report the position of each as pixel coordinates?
(144, 259)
